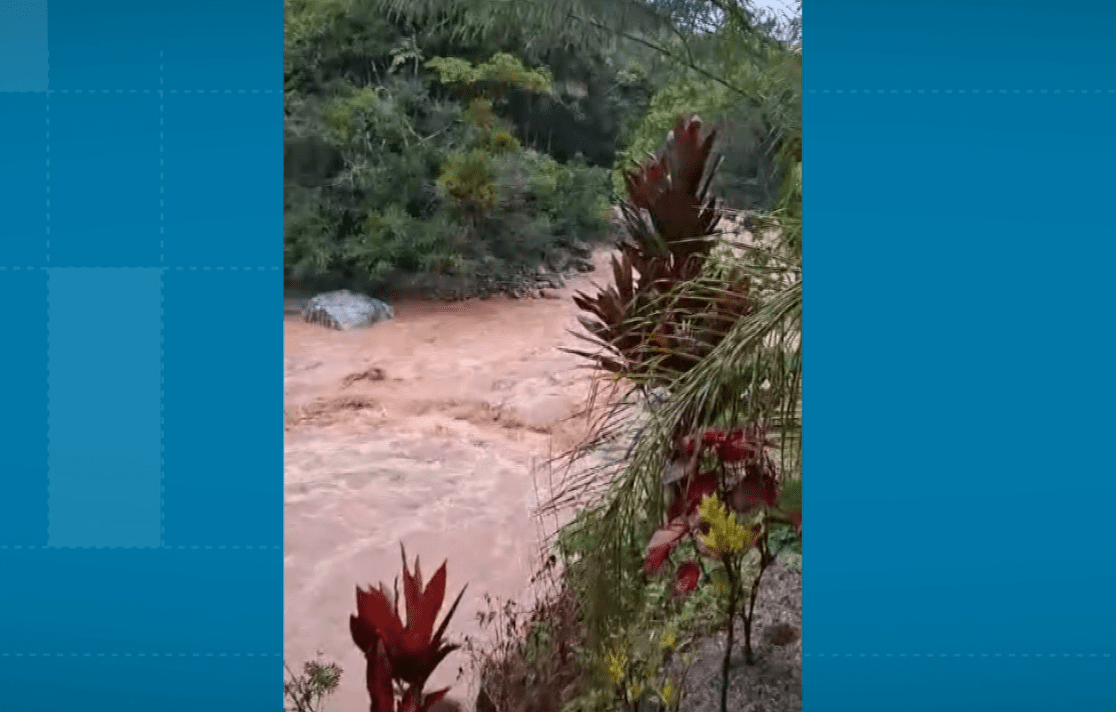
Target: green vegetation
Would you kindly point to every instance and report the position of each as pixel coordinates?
(423, 137)
(411, 149)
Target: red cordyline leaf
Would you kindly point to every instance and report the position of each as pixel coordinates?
(656, 556)
(671, 225)
(701, 487)
(422, 604)
(363, 632)
(686, 578)
(662, 542)
(741, 444)
(415, 649)
(378, 680)
(681, 518)
(735, 451)
(752, 492)
(713, 437)
(669, 186)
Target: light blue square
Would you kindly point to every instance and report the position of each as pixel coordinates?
(24, 65)
(105, 407)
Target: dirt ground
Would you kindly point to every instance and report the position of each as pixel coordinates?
(425, 430)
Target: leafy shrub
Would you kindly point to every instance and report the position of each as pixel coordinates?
(570, 196)
(394, 240)
(755, 100)
(469, 181)
(306, 692)
(499, 141)
(398, 163)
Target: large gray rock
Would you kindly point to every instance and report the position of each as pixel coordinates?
(346, 310)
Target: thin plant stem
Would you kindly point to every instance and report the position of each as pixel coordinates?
(765, 560)
(733, 577)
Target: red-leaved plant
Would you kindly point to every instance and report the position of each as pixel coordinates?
(743, 476)
(401, 656)
(662, 316)
(649, 325)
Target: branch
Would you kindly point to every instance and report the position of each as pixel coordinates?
(688, 63)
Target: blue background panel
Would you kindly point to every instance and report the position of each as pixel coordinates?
(166, 601)
(925, 683)
(957, 314)
(958, 44)
(23, 416)
(168, 683)
(100, 614)
(105, 407)
(23, 179)
(105, 45)
(104, 182)
(215, 216)
(224, 408)
(235, 56)
(24, 55)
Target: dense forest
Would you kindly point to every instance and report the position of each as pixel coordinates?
(481, 139)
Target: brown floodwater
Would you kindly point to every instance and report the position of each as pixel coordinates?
(428, 430)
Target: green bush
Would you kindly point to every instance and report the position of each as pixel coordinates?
(748, 178)
(469, 181)
(402, 160)
(753, 101)
(393, 240)
(582, 204)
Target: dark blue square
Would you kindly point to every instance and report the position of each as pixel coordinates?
(142, 600)
(874, 44)
(23, 179)
(224, 180)
(243, 44)
(928, 682)
(105, 180)
(223, 408)
(143, 682)
(106, 45)
(23, 416)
